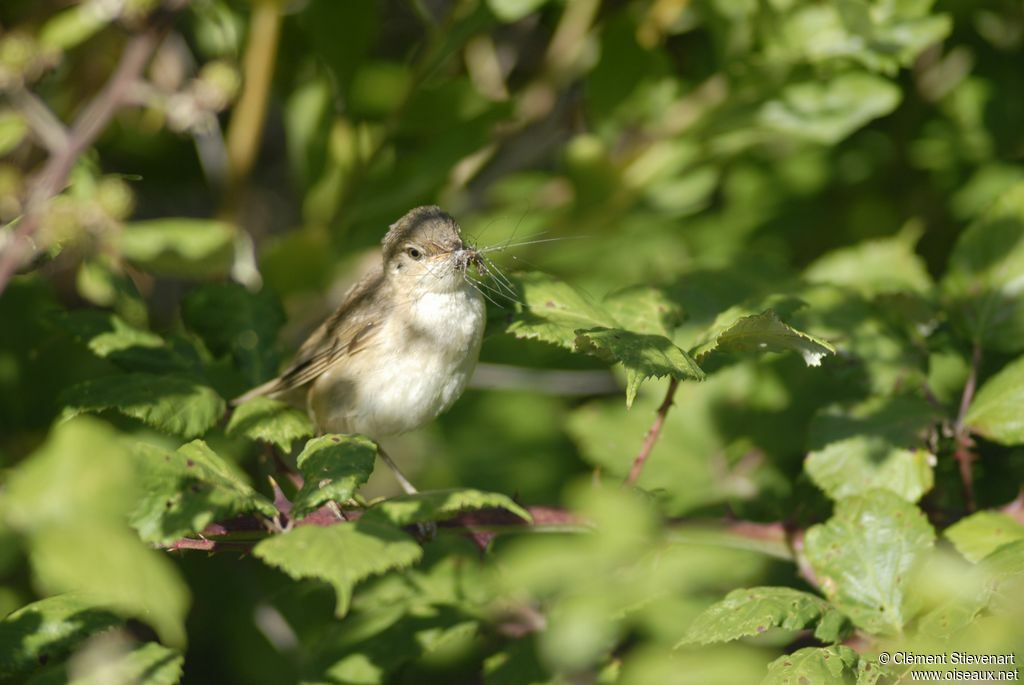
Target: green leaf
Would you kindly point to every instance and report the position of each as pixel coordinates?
(341, 555)
(12, 130)
(174, 404)
(858, 464)
(438, 505)
(185, 491)
(192, 248)
(270, 420)
(553, 311)
(834, 664)
(146, 664)
(752, 611)
(333, 467)
(642, 309)
(232, 320)
(73, 26)
(865, 555)
(765, 332)
(108, 336)
(643, 356)
(47, 630)
(826, 111)
(82, 471)
(982, 533)
(874, 267)
(110, 566)
(983, 279)
(997, 410)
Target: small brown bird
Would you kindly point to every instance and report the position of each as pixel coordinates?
(404, 342)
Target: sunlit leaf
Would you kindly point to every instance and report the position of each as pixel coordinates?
(179, 247)
(997, 410)
(553, 311)
(174, 404)
(876, 266)
(184, 491)
(342, 554)
(835, 664)
(865, 555)
(982, 533)
(752, 611)
(765, 332)
(272, 421)
(333, 467)
(438, 505)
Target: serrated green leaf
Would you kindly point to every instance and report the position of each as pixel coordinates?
(642, 309)
(982, 533)
(865, 555)
(834, 664)
(182, 492)
(47, 630)
(553, 311)
(873, 267)
(997, 410)
(643, 356)
(173, 404)
(232, 320)
(855, 465)
(146, 664)
(269, 420)
(134, 349)
(438, 505)
(983, 279)
(765, 332)
(752, 611)
(341, 555)
(115, 570)
(333, 467)
(183, 247)
(826, 111)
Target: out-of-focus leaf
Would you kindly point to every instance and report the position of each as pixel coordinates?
(174, 404)
(997, 410)
(828, 111)
(114, 569)
(877, 266)
(146, 664)
(765, 332)
(643, 356)
(186, 490)
(272, 421)
(46, 630)
(553, 311)
(341, 555)
(232, 320)
(438, 505)
(865, 555)
(333, 467)
(179, 247)
(982, 533)
(12, 130)
(834, 664)
(514, 10)
(984, 278)
(73, 26)
(752, 611)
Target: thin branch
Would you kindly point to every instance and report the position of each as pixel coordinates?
(964, 453)
(93, 120)
(652, 434)
(46, 127)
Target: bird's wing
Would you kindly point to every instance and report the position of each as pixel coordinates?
(349, 330)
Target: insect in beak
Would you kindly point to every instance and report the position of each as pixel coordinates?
(465, 256)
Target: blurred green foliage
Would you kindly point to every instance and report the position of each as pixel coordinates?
(809, 216)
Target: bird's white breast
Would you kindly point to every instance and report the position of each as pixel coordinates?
(416, 368)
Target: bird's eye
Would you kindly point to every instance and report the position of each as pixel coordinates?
(414, 253)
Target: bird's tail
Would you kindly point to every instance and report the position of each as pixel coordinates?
(271, 387)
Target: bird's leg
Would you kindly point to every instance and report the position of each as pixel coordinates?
(407, 487)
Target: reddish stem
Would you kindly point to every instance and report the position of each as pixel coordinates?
(964, 454)
(653, 433)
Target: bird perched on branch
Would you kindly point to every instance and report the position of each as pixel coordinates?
(403, 344)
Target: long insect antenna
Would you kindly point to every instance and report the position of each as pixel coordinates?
(506, 246)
